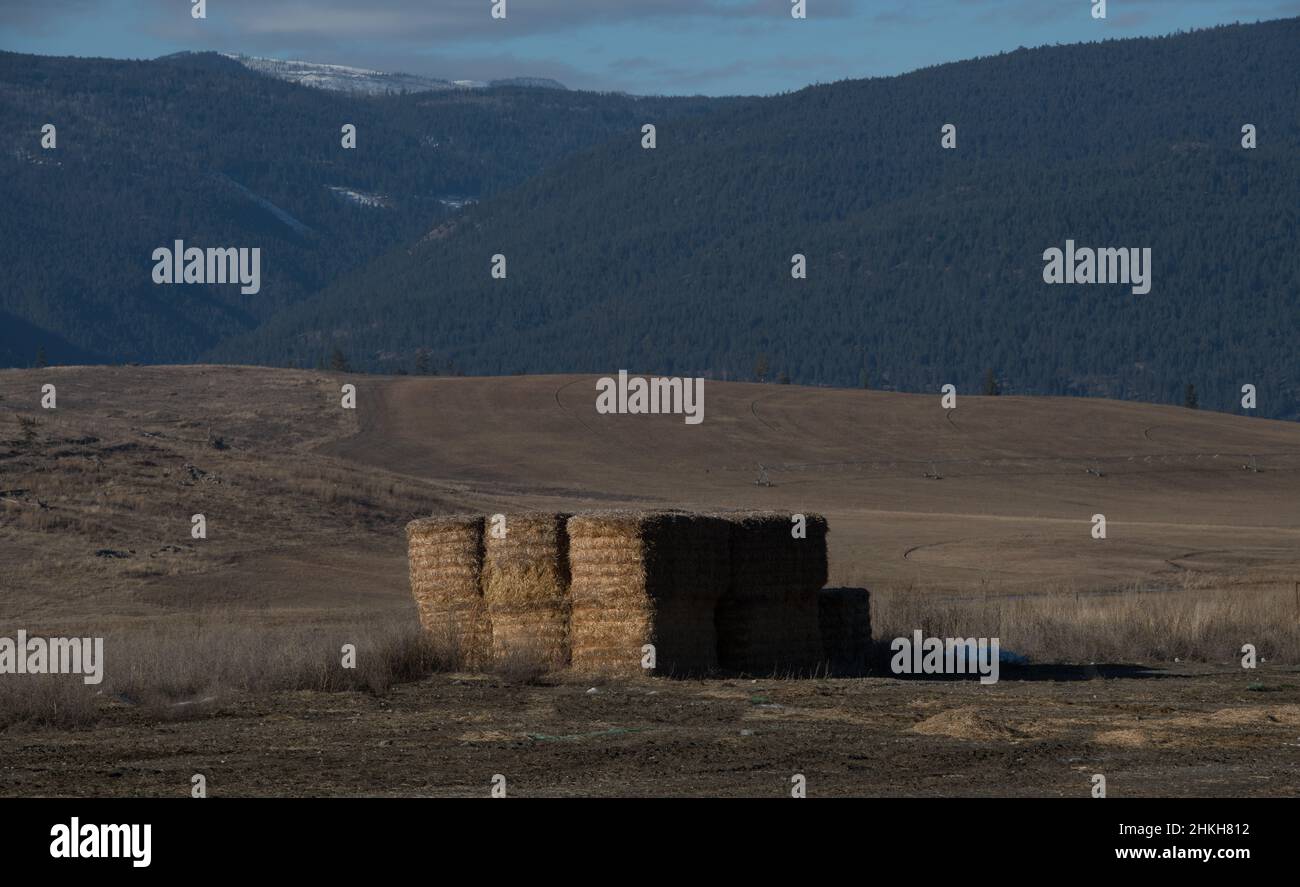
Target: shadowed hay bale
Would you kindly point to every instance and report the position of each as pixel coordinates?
(846, 629)
(526, 589)
(645, 578)
(445, 555)
(768, 621)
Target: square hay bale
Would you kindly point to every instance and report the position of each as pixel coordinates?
(646, 578)
(526, 589)
(846, 629)
(445, 556)
(768, 621)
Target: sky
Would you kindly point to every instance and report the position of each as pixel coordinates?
(647, 47)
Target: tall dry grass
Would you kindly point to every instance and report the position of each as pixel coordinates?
(212, 658)
(1139, 624)
(46, 700)
(190, 669)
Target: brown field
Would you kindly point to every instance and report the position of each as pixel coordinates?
(970, 523)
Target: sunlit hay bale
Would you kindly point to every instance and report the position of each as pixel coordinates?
(845, 617)
(526, 589)
(445, 555)
(768, 621)
(643, 578)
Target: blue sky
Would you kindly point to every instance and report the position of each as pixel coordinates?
(713, 47)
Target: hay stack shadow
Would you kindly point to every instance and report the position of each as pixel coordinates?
(769, 621)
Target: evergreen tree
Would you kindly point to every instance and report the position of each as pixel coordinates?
(27, 428)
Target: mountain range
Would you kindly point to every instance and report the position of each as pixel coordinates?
(925, 264)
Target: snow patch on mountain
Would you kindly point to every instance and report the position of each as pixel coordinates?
(342, 78)
(339, 77)
(361, 198)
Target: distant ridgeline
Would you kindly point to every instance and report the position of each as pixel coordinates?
(895, 232)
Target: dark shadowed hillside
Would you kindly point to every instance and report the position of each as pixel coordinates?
(924, 265)
(199, 148)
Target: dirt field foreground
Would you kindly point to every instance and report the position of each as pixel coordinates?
(1172, 732)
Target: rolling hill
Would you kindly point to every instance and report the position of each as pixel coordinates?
(306, 502)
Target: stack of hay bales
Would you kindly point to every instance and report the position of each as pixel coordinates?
(646, 578)
(768, 621)
(446, 557)
(526, 590)
(739, 592)
(846, 629)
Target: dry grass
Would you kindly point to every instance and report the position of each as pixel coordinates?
(1139, 624)
(189, 670)
(110, 469)
(46, 700)
(525, 662)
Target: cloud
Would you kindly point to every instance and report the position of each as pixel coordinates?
(1123, 14)
(459, 38)
(40, 16)
(443, 20)
(673, 78)
(667, 45)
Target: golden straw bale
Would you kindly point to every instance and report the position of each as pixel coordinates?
(846, 629)
(445, 556)
(643, 578)
(526, 589)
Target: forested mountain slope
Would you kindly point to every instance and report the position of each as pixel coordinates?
(197, 147)
(925, 265)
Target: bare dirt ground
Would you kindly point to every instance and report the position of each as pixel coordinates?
(1173, 732)
(305, 504)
